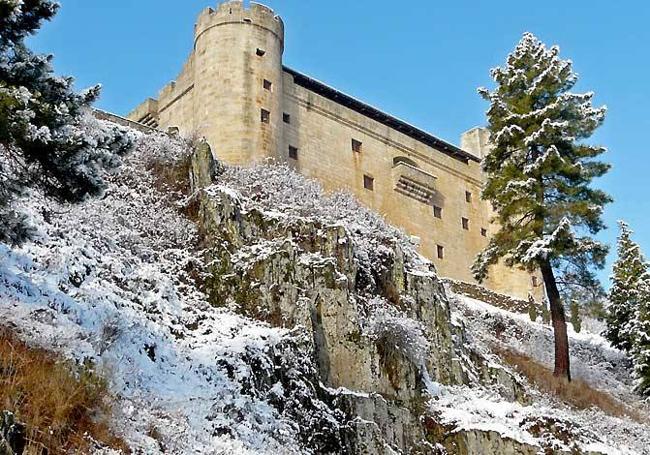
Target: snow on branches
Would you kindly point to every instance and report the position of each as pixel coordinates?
(628, 309)
(278, 188)
(538, 174)
(47, 136)
(387, 324)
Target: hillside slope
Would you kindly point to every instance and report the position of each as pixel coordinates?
(245, 311)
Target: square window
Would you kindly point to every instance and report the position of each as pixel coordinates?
(293, 152)
(465, 223)
(468, 196)
(484, 232)
(441, 251)
(267, 84)
(265, 116)
(260, 52)
(356, 146)
(286, 118)
(437, 211)
(368, 182)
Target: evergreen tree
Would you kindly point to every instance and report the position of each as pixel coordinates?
(539, 173)
(628, 309)
(630, 271)
(546, 314)
(45, 140)
(576, 321)
(640, 351)
(532, 309)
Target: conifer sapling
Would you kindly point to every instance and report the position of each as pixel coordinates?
(629, 271)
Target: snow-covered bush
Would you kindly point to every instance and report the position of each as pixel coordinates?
(277, 187)
(48, 140)
(386, 324)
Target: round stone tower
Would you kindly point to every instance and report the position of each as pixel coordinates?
(238, 81)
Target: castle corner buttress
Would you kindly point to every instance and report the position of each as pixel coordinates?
(235, 91)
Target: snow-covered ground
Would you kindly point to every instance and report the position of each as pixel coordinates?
(110, 281)
(593, 360)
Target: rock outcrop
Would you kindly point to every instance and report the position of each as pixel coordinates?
(382, 337)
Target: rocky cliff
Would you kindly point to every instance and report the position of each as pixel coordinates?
(376, 317)
(243, 310)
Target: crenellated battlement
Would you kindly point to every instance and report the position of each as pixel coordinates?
(235, 12)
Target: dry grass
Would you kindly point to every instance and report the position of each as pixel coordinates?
(60, 403)
(576, 393)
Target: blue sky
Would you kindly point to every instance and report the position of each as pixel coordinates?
(420, 60)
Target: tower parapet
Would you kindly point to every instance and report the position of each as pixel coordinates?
(235, 12)
(238, 81)
(230, 90)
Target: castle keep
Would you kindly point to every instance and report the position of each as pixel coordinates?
(235, 91)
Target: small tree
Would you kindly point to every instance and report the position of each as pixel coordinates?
(546, 314)
(640, 351)
(628, 310)
(44, 137)
(532, 308)
(539, 174)
(576, 322)
(627, 292)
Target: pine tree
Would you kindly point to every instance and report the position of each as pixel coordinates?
(628, 310)
(575, 319)
(45, 140)
(640, 351)
(546, 314)
(627, 292)
(539, 173)
(532, 309)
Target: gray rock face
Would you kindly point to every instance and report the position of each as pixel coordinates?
(380, 337)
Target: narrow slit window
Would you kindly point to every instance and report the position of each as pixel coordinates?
(437, 211)
(368, 182)
(468, 196)
(260, 52)
(267, 84)
(356, 146)
(293, 152)
(534, 281)
(484, 232)
(286, 118)
(465, 222)
(265, 116)
(441, 251)
(248, 20)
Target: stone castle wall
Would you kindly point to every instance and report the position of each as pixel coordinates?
(234, 91)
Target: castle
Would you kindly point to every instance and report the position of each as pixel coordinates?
(234, 91)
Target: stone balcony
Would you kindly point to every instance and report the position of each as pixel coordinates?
(413, 182)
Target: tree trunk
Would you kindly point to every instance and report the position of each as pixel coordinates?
(562, 369)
